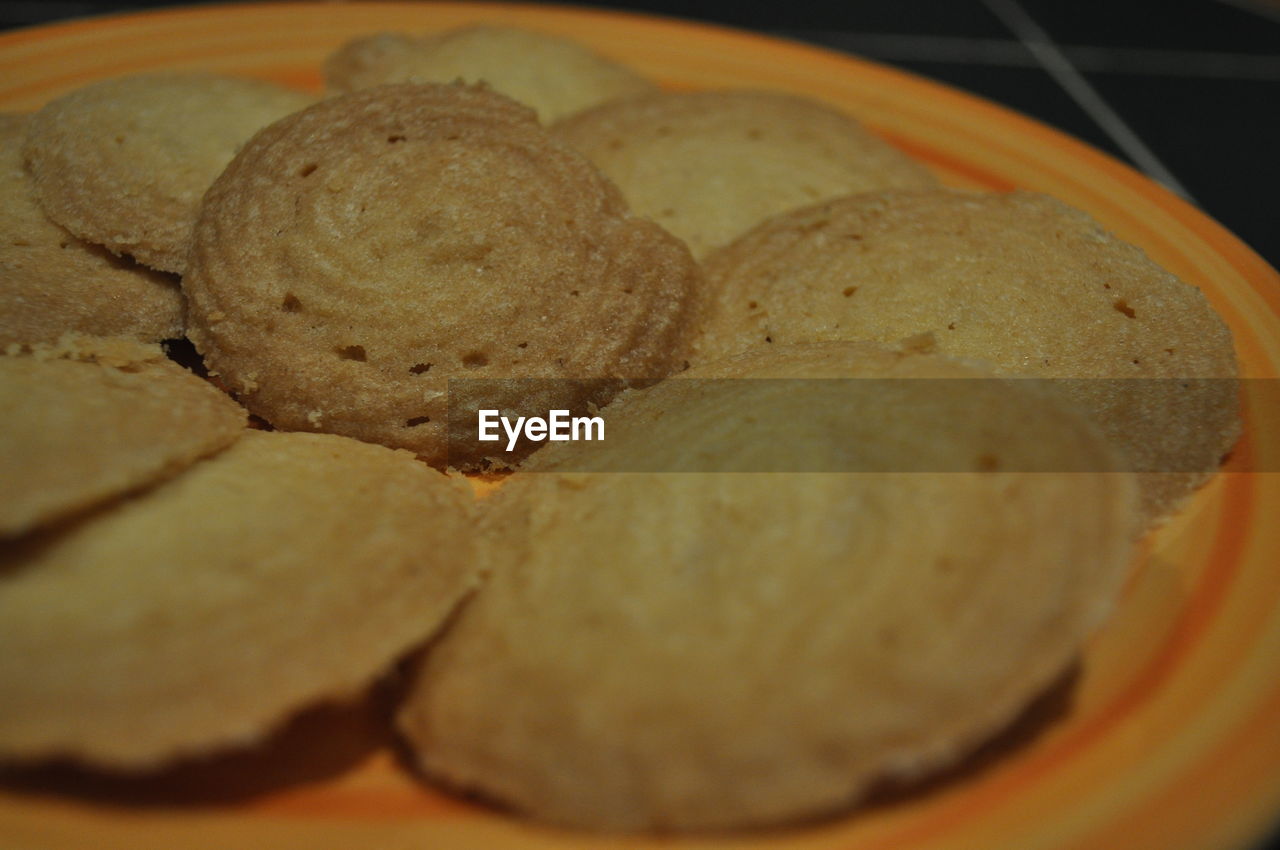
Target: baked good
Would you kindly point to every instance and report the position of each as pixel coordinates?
(51, 282)
(1019, 280)
(123, 162)
(709, 165)
(90, 419)
(357, 256)
(713, 647)
(203, 613)
(553, 75)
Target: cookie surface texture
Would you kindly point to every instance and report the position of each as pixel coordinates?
(357, 256)
(1021, 281)
(710, 165)
(554, 76)
(52, 282)
(289, 568)
(124, 162)
(93, 419)
(723, 650)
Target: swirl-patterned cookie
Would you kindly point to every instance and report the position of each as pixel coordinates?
(358, 255)
(203, 613)
(1021, 281)
(554, 76)
(90, 419)
(123, 162)
(709, 165)
(687, 650)
(52, 282)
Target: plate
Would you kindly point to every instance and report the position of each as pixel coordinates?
(1167, 734)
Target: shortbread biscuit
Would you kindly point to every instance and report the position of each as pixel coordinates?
(123, 162)
(51, 282)
(1020, 280)
(722, 650)
(553, 75)
(357, 256)
(288, 569)
(710, 165)
(90, 419)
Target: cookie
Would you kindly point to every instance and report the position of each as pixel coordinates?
(1019, 280)
(357, 256)
(709, 165)
(90, 419)
(688, 650)
(554, 76)
(51, 282)
(288, 569)
(123, 162)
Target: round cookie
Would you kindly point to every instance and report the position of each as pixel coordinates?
(288, 569)
(554, 76)
(710, 165)
(1021, 281)
(124, 162)
(723, 650)
(357, 256)
(51, 282)
(90, 419)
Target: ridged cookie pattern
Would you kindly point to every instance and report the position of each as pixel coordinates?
(203, 614)
(357, 256)
(554, 76)
(725, 650)
(709, 165)
(123, 162)
(91, 419)
(1019, 280)
(52, 282)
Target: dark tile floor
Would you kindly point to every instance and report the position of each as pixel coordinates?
(1186, 90)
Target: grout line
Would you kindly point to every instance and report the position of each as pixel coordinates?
(1180, 63)
(1009, 52)
(1060, 68)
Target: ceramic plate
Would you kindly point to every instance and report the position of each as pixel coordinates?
(1166, 736)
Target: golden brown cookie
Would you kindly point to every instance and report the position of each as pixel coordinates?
(357, 256)
(123, 162)
(722, 650)
(288, 569)
(553, 75)
(1019, 280)
(51, 282)
(710, 165)
(89, 419)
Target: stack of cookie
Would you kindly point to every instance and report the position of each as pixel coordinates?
(173, 583)
(829, 539)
